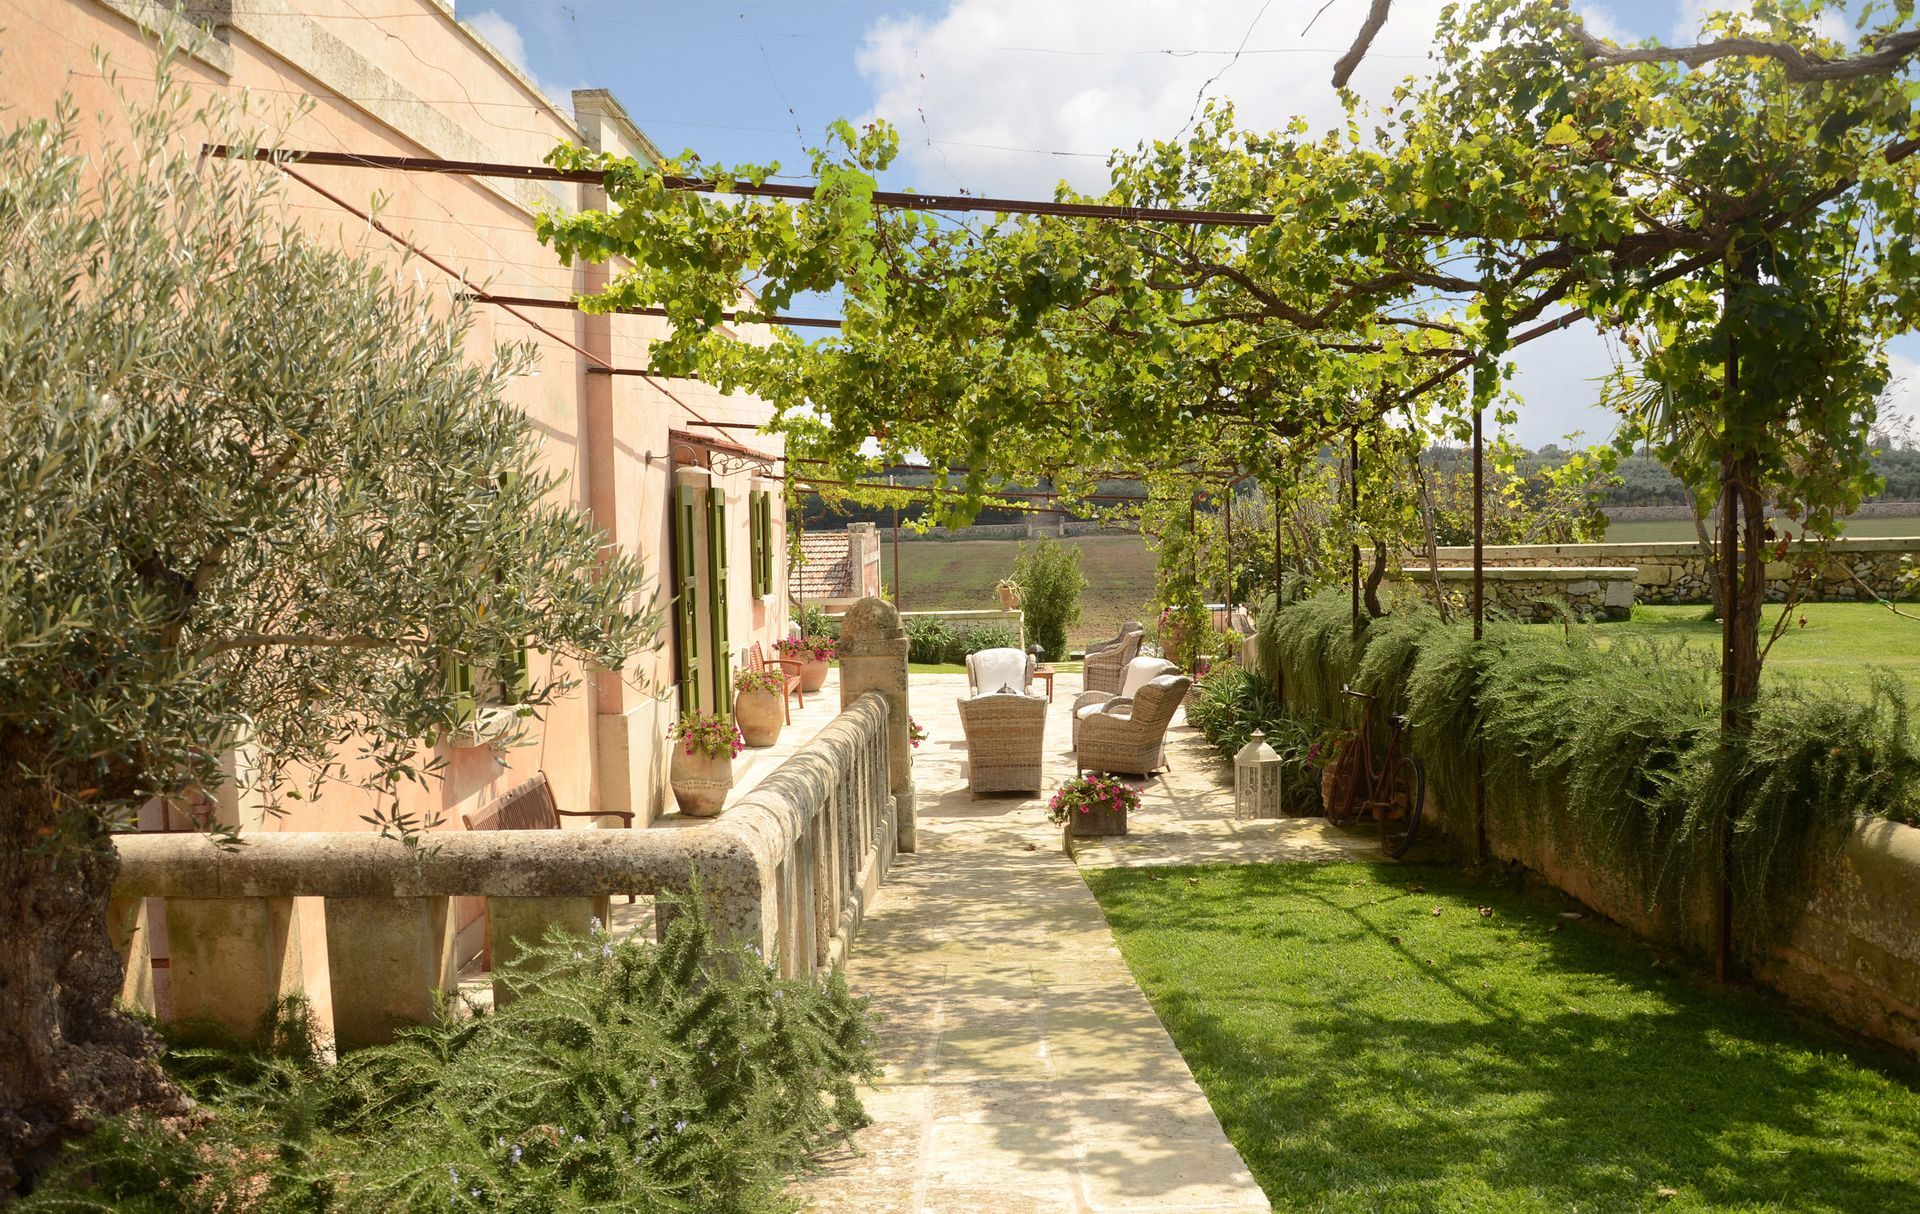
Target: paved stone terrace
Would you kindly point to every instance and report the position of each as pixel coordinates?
(1025, 1071)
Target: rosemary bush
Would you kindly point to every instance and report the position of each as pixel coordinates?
(622, 1075)
(1613, 754)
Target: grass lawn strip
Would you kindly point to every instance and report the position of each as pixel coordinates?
(1366, 1053)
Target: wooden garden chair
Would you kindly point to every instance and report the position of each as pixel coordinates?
(529, 805)
(789, 673)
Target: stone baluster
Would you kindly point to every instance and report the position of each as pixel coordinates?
(232, 960)
(387, 958)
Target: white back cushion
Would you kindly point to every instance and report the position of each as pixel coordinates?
(997, 668)
(1141, 671)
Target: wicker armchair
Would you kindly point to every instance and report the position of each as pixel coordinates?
(1127, 736)
(988, 670)
(1140, 672)
(1006, 738)
(1106, 663)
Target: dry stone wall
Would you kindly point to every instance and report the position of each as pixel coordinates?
(1842, 571)
(1536, 594)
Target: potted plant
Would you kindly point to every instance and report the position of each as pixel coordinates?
(815, 651)
(1009, 592)
(704, 746)
(1093, 805)
(760, 704)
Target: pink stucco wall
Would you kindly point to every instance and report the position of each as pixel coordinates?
(413, 81)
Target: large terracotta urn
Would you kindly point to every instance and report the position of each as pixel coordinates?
(759, 714)
(813, 675)
(700, 782)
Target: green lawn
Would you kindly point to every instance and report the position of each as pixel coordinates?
(1840, 642)
(1366, 1054)
(1653, 532)
(959, 575)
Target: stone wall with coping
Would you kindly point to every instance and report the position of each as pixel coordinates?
(787, 870)
(1677, 572)
(1854, 956)
(1536, 593)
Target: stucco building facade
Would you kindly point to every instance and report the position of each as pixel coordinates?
(641, 454)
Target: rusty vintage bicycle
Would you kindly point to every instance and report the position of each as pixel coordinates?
(1386, 784)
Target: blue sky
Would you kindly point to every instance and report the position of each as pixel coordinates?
(1010, 96)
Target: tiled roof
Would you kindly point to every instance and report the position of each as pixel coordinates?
(825, 571)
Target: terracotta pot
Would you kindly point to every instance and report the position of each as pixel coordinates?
(1009, 597)
(700, 783)
(813, 676)
(759, 714)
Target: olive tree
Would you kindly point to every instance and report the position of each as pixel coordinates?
(252, 489)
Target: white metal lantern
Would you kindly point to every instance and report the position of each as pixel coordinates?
(1256, 780)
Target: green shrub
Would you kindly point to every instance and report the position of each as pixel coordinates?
(1048, 574)
(936, 642)
(1234, 702)
(1616, 753)
(621, 1076)
(815, 622)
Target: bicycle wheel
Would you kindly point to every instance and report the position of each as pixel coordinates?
(1400, 820)
(1339, 785)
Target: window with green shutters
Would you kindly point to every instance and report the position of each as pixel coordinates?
(686, 618)
(717, 599)
(762, 520)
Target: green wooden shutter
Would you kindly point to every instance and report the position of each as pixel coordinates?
(753, 540)
(516, 679)
(717, 599)
(460, 687)
(686, 617)
(766, 543)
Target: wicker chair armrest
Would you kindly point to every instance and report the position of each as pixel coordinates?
(1086, 698)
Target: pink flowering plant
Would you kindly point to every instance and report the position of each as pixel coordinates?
(708, 733)
(1088, 793)
(916, 733)
(808, 649)
(772, 681)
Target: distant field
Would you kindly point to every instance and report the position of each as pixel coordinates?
(1681, 529)
(958, 575)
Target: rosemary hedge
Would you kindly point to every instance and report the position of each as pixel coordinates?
(1616, 749)
(622, 1076)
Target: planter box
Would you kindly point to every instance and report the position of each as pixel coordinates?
(1097, 822)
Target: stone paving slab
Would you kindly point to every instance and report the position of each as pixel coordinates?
(1025, 1072)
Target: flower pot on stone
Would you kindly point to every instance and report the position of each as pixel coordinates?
(1009, 592)
(1093, 821)
(700, 782)
(813, 676)
(1089, 806)
(704, 745)
(760, 715)
(816, 654)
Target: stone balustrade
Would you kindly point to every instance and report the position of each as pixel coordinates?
(1538, 592)
(788, 869)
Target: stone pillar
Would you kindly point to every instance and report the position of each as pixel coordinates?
(130, 931)
(387, 958)
(513, 924)
(873, 657)
(231, 959)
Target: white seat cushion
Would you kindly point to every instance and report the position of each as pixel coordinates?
(1142, 671)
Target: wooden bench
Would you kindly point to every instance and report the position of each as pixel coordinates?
(790, 677)
(529, 805)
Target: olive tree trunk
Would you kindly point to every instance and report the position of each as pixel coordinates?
(68, 1055)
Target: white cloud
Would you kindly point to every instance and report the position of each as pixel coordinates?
(505, 37)
(1900, 403)
(1087, 76)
